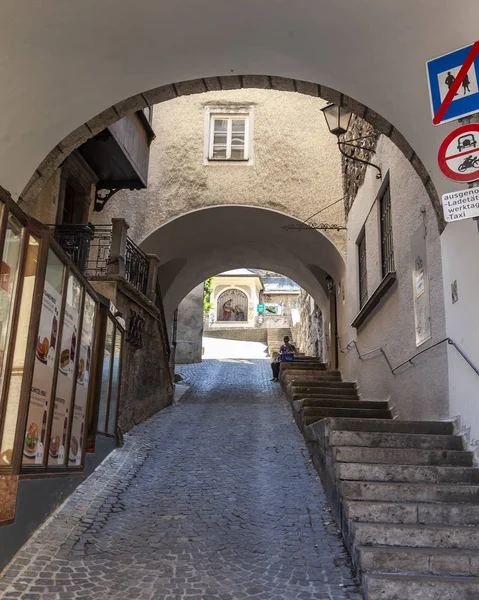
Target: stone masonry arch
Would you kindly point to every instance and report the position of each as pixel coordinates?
(233, 82)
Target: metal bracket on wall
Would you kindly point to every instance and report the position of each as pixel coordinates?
(102, 195)
(356, 159)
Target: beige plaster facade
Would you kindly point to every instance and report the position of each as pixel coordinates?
(295, 169)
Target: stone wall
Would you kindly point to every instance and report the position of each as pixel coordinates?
(146, 382)
(355, 172)
(308, 334)
(189, 332)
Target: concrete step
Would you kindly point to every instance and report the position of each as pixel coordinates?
(409, 492)
(341, 402)
(397, 426)
(306, 378)
(396, 440)
(324, 382)
(406, 456)
(420, 561)
(408, 512)
(419, 587)
(324, 390)
(311, 414)
(414, 535)
(408, 473)
(301, 365)
(338, 397)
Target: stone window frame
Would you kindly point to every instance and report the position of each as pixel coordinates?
(229, 111)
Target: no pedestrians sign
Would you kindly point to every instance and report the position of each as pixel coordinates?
(453, 84)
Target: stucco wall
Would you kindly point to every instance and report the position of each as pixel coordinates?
(460, 249)
(189, 332)
(296, 167)
(418, 391)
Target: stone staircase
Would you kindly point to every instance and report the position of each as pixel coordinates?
(404, 493)
(275, 338)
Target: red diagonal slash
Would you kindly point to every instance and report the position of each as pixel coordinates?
(446, 103)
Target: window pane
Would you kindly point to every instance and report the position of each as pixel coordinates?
(105, 376)
(82, 383)
(219, 151)
(8, 285)
(115, 384)
(221, 125)
(45, 353)
(19, 351)
(66, 372)
(237, 153)
(239, 125)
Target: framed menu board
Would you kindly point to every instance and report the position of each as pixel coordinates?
(34, 451)
(66, 373)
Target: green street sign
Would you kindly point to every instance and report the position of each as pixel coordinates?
(261, 308)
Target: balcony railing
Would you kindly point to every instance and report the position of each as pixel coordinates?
(136, 266)
(90, 249)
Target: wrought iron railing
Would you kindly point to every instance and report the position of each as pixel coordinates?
(89, 247)
(99, 255)
(75, 241)
(136, 266)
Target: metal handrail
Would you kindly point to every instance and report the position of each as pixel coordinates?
(450, 341)
(361, 356)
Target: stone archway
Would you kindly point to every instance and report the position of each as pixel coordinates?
(233, 82)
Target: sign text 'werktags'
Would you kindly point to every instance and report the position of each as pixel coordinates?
(461, 205)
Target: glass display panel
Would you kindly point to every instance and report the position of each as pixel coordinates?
(46, 348)
(19, 352)
(105, 375)
(8, 285)
(115, 384)
(66, 373)
(82, 383)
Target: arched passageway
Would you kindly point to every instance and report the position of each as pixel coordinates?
(379, 63)
(197, 245)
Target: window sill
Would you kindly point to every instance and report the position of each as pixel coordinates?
(374, 300)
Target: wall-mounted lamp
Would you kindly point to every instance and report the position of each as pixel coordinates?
(338, 119)
(329, 283)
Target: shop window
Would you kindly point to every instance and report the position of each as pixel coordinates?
(362, 267)
(19, 352)
(8, 284)
(83, 385)
(110, 378)
(229, 136)
(386, 230)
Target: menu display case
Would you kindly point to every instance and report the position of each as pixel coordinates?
(48, 315)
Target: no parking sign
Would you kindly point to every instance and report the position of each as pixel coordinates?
(458, 155)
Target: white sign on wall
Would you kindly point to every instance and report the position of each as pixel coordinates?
(463, 204)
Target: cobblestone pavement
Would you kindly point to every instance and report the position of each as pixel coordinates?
(211, 499)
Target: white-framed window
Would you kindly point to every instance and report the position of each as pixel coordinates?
(228, 135)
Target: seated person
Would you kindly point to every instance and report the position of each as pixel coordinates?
(285, 348)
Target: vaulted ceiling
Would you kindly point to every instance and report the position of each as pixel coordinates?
(62, 63)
